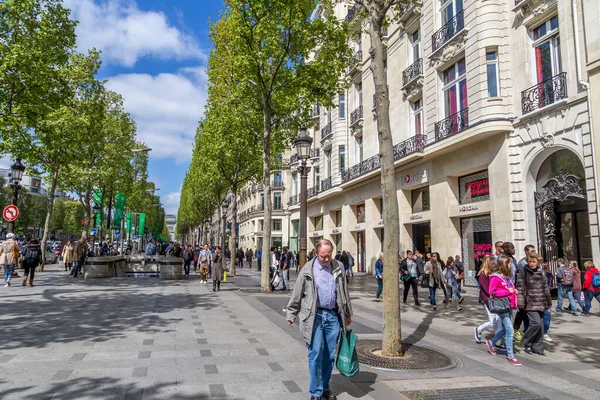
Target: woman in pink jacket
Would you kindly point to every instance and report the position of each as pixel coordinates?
(502, 286)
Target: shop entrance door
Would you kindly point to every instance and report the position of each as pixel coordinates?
(421, 237)
(361, 256)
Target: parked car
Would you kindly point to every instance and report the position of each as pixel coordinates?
(51, 256)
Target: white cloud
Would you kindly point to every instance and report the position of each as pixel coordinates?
(166, 109)
(171, 202)
(125, 33)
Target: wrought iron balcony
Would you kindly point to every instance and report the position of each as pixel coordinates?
(326, 132)
(315, 153)
(544, 93)
(356, 115)
(448, 31)
(355, 61)
(517, 2)
(352, 12)
(278, 184)
(325, 184)
(413, 72)
(409, 146)
(295, 199)
(404, 8)
(313, 191)
(452, 125)
(368, 165)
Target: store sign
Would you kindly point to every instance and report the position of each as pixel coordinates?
(316, 234)
(474, 187)
(336, 230)
(482, 249)
(465, 209)
(479, 188)
(357, 227)
(415, 217)
(415, 178)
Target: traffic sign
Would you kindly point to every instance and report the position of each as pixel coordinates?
(10, 213)
(94, 231)
(117, 234)
(135, 237)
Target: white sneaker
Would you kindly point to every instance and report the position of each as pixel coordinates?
(547, 338)
(6, 284)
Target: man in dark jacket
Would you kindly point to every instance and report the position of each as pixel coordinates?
(240, 257)
(409, 272)
(534, 294)
(32, 257)
(79, 252)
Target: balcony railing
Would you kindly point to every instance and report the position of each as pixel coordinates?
(356, 59)
(356, 115)
(447, 31)
(325, 184)
(313, 191)
(517, 2)
(404, 8)
(452, 125)
(326, 131)
(544, 93)
(412, 72)
(315, 153)
(368, 165)
(277, 184)
(409, 146)
(295, 199)
(352, 12)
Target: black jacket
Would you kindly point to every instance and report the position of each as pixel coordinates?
(32, 254)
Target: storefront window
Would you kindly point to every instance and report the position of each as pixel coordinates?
(476, 235)
(420, 200)
(474, 187)
(360, 213)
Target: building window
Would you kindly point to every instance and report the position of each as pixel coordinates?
(359, 149)
(358, 92)
(342, 106)
(417, 115)
(547, 50)
(277, 179)
(449, 10)
(277, 225)
(474, 187)
(262, 201)
(381, 207)
(491, 61)
(295, 190)
(318, 223)
(455, 88)
(420, 200)
(360, 213)
(328, 115)
(317, 177)
(338, 218)
(277, 201)
(328, 163)
(342, 150)
(416, 45)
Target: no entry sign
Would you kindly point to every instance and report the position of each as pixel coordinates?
(10, 213)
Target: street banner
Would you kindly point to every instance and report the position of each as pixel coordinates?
(119, 210)
(141, 224)
(128, 223)
(97, 196)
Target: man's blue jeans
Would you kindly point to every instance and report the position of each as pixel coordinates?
(589, 295)
(75, 269)
(547, 320)
(8, 272)
(432, 295)
(507, 332)
(562, 291)
(321, 351)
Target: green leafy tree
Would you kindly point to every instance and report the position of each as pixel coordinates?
(287, 61)
(58, 215)
(74, 214)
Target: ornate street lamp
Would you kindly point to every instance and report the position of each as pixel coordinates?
(303, 144)
(16, 170)
(224, 208)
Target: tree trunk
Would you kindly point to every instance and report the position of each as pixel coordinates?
(232, 237)
(53, 186)
(265, 284)
(87, 212)
(392, 339)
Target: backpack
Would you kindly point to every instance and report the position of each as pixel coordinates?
(596, 281)
(31, 255)
(567, 277)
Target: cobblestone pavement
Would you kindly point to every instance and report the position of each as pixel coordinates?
(149, 339)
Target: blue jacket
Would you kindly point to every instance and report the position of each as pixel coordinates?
(378, 268)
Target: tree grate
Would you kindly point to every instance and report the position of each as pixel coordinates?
(416, 357)
(479, 393)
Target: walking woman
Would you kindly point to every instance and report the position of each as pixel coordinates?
(379, 276)
(32, 257)
(488, 267)
(502, 286)
(433, 270)
(9, 255)
(217, 268)
(67, 255)
(452, 283)
(577, 286)
(534, 294)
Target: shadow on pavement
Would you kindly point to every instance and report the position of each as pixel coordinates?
(363, 382)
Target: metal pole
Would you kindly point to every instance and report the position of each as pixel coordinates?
(303, 212)
(15, 197)
(224, 230)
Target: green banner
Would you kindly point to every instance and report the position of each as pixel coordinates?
(128, 223)
(119, 210)
(141, 225)
(97, 196)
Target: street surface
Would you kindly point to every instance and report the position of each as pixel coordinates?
(137, 338)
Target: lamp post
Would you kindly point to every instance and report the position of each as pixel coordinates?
(16, 170)
(303, 143)
(96, 210)
(224, 208)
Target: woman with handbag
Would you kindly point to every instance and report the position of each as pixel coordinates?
(502, 301)
(379, 276)
(488, 267)
(434, 277)
(451, 274)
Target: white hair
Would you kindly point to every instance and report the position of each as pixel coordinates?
(10, 235)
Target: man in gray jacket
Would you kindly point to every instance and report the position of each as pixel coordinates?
(321, 302)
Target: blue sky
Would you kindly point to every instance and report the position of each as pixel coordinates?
(154, 53)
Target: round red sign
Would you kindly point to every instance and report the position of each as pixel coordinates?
(10, 213)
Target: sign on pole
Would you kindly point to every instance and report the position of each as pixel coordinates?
(117, 234)
(94, 231)
(10, 213)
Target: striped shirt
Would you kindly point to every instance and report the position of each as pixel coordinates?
(325, 284)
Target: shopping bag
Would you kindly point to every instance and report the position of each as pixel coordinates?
(347, 359)
(224, 276)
